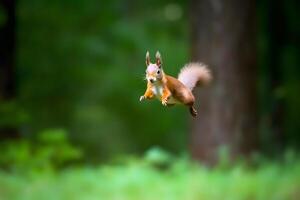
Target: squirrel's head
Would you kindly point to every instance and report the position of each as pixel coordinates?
(154, 71)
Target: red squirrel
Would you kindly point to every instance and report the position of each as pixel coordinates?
(171, 91)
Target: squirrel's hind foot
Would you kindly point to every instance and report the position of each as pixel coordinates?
(193, 111)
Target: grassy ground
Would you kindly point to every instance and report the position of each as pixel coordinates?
(139, 180)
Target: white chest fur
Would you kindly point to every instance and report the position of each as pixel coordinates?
(157, 90)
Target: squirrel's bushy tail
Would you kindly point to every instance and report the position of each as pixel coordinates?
(194, 74)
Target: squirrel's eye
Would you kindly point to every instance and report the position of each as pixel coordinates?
(158, 72)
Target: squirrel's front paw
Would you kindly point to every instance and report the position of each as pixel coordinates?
(164, 102)
(142, 98)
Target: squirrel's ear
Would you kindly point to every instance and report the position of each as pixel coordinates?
(158, 59)
(147, 58)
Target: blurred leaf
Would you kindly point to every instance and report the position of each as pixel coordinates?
(12, 114)
(156, 155)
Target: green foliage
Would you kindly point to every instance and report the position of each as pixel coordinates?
(157, 156)
(138, 179)
(50, 150)
(12, 114)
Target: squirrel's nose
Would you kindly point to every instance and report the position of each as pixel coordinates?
(151, 80)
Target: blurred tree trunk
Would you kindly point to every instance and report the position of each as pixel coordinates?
(223, 36)
(7, 65)
(277, 30)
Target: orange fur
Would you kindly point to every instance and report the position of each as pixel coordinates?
(149, 94)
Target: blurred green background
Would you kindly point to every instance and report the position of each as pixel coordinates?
(74, 128)
(80, 67)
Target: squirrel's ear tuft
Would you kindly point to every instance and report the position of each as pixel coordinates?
(147, 58)
(158, 59)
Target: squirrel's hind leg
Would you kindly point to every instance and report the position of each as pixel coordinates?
(187, 98)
